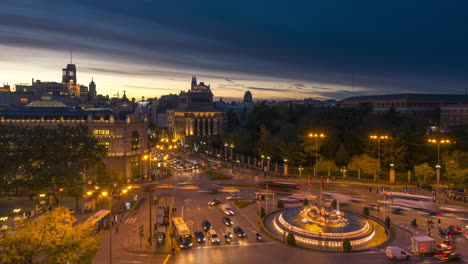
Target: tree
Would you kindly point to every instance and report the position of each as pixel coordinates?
(423, 172)
(364, 163)
(53, 238)
(456, 167)
(280, 204)
(347, 245)
(291, 239)
(342, 155)
(306, 202)
(334, 203)
(365, 211)
(326, 166)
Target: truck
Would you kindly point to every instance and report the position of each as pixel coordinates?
(423, 245)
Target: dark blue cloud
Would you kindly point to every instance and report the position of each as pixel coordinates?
(412, 46)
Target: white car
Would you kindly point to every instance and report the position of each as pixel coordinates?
(213, 236)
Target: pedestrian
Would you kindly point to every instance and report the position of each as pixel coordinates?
(438, 222)
(429, 232)
(173, 251)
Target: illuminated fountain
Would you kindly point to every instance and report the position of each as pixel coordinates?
(324, 226)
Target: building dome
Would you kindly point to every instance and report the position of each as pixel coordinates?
(46, 101)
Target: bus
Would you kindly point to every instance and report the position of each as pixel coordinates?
(279, 185)
(182, 233)
(99, 220)
(410, 200)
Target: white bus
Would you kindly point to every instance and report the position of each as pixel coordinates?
(410, 200)
(182, 233)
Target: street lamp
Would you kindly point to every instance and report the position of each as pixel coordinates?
(300, 171)
(285, 170)
(316, 136)
(268, 164)
(225, 150)
(438, 142)
(378, 138)
(232, 148)
(110, 196)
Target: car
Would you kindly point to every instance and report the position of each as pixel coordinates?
(239, 232)
(206, 225)
(227, 221)
(227, 210)
(200, 237)
(213, 237)
(395, 253)
(233, 197)
(447, 245)
(456, 229)
(213, 202)
(447, 256)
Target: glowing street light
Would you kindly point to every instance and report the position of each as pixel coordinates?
(438, 142)
(378, 138)
(316, 136)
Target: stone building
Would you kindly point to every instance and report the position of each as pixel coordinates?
(196, 117)
(125, 139)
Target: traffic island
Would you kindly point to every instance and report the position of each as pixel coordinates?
(325, 228)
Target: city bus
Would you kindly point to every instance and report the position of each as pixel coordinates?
(280, 185)
(410, 200)
(182, 233)
(99, 220)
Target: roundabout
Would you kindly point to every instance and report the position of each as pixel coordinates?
(325, 228)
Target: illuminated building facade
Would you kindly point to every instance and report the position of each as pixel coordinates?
(125, 138)
(196, 118)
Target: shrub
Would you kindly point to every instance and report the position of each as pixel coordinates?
(280, 204)
(291, 239)
(387, 222)
(334, 203)
(306, 202)
(365, 211)
(347, 245)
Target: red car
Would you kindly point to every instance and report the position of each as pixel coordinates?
(456, 229)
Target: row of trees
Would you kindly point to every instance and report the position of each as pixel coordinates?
(34, 159)
(281, 132)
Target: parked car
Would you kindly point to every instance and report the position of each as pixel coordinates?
(200, 236)
(239, 232)
(227, 221)
(206, 225)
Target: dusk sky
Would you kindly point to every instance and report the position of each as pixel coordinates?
(275, 49)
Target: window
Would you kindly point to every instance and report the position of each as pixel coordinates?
(105, 144)
(135, 141)
(97, 132)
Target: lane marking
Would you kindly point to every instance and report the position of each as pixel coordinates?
(167, 258)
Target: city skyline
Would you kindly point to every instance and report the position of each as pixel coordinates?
(276, 52)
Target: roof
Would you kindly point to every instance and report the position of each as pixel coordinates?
(46, 102)
(423, 238)
(409, 97)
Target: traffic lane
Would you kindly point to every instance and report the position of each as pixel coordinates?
(272, 253)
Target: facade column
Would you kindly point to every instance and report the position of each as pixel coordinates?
(198, 126)
(187, 121)
(203, 126)
(210, 126)
(215, 126)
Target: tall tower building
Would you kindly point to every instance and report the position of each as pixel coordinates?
(69, 74)
(92, 89)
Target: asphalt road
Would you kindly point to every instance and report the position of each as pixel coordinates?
(192, 205)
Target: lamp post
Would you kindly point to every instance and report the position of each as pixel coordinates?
(268, 164)
(225, 150)
(110, 196)
(438, 142)
(232, 150)
(263, 169)
(300, 171)
(285, 170)
(316, 136)
(378, 138)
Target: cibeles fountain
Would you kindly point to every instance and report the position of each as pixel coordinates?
(324, 227)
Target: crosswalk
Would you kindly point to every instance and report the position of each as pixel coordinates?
(130, 220)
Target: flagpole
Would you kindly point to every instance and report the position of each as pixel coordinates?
(266, 198)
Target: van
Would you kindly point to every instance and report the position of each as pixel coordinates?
(395, 253)
(226, 209)
(161, 235)
(213, 236)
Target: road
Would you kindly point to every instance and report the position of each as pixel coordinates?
(192, 205)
